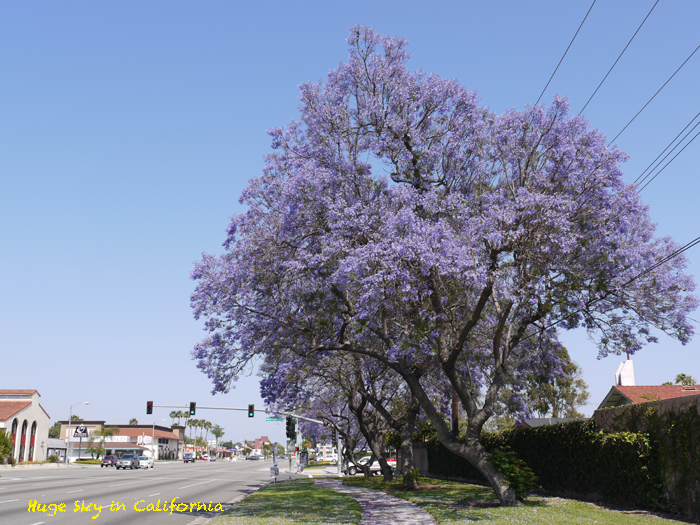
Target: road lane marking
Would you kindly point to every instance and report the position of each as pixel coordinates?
(130, 483)
(151, 495)
(188, 486)
(38, 523)
(72, 491)
(9, 500)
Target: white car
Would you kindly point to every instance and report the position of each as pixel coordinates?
(145, 462)
(374, 467)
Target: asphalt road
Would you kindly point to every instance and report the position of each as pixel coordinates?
(124, 495)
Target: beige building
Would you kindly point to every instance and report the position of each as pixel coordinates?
(156, 441)
(27, 422)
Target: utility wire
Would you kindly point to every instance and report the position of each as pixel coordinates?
(565, 52)
(652, 98)
(664, 151)
(653, 267)
(669, 162)
(618, 58)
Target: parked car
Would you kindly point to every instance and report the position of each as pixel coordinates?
(128, 461)
(374, 468)
(145, 462)
(204, 457)
(109, 461)
(188, 457)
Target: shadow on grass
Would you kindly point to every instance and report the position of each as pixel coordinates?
(298, 501)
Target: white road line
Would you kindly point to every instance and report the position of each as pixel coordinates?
(9, 500)
(38, 523)
(151, 495)
(130, 483)
(188, 486)
(72, 491)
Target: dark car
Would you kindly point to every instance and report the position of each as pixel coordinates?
(188, 457)
(128, 461)
(109, 461)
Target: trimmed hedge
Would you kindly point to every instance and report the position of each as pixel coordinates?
(574, 459)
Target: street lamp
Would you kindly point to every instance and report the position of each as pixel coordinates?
(70, 417)
(153, 440)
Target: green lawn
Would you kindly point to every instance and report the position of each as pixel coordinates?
(453, 503)
(292, 502)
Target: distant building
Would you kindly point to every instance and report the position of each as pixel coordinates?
(544, 421)
(138, 439)
(627, 395)
(27, 422)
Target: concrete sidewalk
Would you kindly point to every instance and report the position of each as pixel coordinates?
(379, 508)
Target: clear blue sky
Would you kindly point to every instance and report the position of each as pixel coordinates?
(128, 130)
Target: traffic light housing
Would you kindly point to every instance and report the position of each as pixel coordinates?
(291, 429)
(149, 407)
(193, 408)
(251, 410)
(334, 436)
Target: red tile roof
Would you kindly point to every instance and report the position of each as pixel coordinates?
(18, 392)
(135, 432)
(642, 394)
(10, 408)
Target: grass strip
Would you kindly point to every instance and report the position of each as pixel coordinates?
(295, 502)
(452, 503)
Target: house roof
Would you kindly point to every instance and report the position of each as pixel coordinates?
(543, 421)
(622, 395)
(147, 431)
(10, 408)
(18, 392)
(56, 443)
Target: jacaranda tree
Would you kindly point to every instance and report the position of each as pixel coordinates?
(400, 221)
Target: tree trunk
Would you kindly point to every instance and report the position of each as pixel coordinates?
(471, 449)
(409, 481)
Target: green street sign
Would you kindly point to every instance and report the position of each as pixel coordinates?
(274, 419)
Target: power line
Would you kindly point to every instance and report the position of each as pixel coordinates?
(669, 162)
(652, 98)
(664, 151)
(653, 267)
(618, 58)
(565, 52)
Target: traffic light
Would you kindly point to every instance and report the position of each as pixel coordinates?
(193, 408)
(296, 449)
(291, 429)
(251, 410)
(334, 436)
(149, 407)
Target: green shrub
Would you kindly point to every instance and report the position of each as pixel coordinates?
(573, 459)
(53, 458)
(518, 475)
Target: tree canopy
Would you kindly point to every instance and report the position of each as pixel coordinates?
(400, 221)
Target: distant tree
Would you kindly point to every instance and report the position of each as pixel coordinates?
(683, 379)
(563, 395)
(75, 417)
(227, 444)
(217, 432)
(667, 383)
(133, 421)
(55, 430)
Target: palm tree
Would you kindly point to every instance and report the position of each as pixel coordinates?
(217, 432)
(684, 379)
(191, 423)
(133, 421)
(173, 414)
